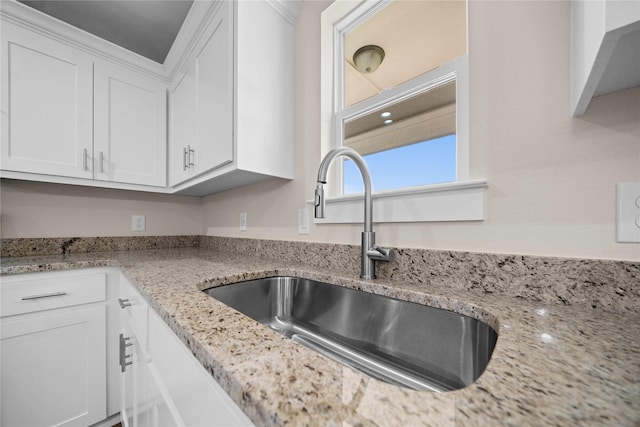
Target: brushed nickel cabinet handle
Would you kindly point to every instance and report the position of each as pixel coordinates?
(123, 356)
(124, 303)
(85, 167)
(54, 294)
(187, 160)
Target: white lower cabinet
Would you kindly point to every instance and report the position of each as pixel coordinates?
(132, 354)
(163, 383)
(79, 346)
(53, 349)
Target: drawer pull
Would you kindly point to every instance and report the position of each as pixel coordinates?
(124, 303)
(54, 294)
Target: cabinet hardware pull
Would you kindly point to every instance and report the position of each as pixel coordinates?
(85, 167)
(101, 161)
(187, 161)
(123, 356)
(192, 154)
(54, 294)
(124, 303)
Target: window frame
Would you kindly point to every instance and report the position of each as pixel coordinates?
(462, 194)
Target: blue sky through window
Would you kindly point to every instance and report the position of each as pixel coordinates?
(428, 162)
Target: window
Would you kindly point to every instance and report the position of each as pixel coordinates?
(432, 161)
(409, 117)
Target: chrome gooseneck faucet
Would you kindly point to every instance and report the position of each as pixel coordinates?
(370, 252)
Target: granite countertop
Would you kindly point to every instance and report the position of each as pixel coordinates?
(553, 364)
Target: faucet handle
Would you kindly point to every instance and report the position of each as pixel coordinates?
(318, 211)
(378, 253)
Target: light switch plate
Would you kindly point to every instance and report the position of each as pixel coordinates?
(243, 221)
(303, 221)
(628, 212)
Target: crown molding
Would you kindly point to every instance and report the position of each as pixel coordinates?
(288, 9)
(194, 25)
(48, 26)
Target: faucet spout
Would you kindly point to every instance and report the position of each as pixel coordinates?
(366, 178)
(370, 252)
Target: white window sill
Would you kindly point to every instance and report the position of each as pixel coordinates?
(452, 201)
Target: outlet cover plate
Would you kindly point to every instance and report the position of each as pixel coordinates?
(138, 223)
(628, 212)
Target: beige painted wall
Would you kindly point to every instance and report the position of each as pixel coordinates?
(551, 177)
(33, 209)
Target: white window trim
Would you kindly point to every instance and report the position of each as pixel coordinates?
(452, 201)
(462, 200)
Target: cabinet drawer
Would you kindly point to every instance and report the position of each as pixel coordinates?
(45, 291)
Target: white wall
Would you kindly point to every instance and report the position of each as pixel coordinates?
(551, 177)
(33, 209)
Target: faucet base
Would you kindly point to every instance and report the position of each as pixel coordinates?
(367, 265)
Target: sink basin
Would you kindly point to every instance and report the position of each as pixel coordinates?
(396, 341)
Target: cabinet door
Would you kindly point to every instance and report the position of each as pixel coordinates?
(191, 394)
(214, 75)
(47, 98)
(130, 139)
(53, 368)
(183, 123)
(134, 393)
(159, 408)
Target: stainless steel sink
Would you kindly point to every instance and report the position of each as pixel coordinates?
(399, 342)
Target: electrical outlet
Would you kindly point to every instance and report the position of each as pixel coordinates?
(628, 212)
(303, 221)
(137, 223)
(243, 221)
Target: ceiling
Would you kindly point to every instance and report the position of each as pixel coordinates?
(417, 36)
(146, 27)
(418, 104)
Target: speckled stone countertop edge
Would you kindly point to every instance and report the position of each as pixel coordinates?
(537, 342)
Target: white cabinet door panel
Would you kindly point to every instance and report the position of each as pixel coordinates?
(130, 126)
(134, 410)
(183, 125)
(214, 73)
(47, 121)
(159, 408)
(198, 398)
(54, 369)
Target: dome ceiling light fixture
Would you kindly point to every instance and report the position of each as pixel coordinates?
(368, 58)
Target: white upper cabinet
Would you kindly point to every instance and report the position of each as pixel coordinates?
(130, 126)
(183, 123)
(202, 102)
(239, 78)
(217, 114)
(605, 49)
(214, 75)
(46, 105)
(67, 114)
